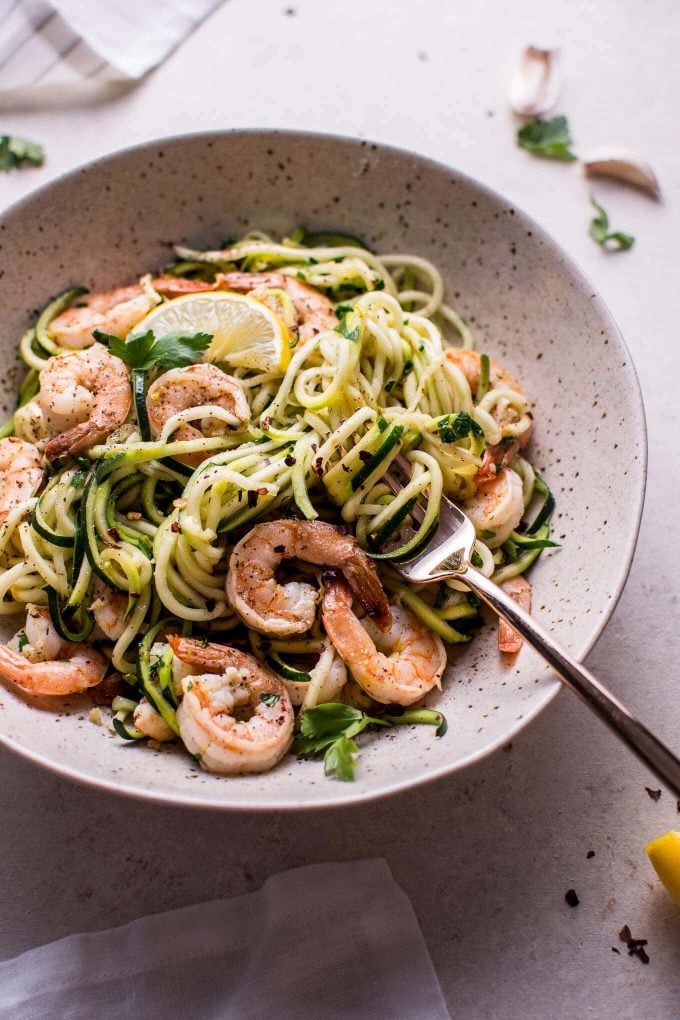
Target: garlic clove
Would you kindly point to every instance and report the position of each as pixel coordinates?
(622, 165)
(535, 84)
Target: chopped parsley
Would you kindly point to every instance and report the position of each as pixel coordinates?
(600, 233)
(15, 152)
(349, 326)
(547, 138)
(476, 560)
(269, 699)
(454, 427)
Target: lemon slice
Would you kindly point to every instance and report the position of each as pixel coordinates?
(246, 332)
(664, 853)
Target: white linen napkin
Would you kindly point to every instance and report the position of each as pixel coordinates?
(64, 42)
(322, 942)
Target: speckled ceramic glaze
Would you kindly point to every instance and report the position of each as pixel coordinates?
(529, 307)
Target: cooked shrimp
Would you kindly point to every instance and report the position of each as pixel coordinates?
(21, 473)
(497, 507)
(494, 459)
(314, 310)
(273, 608)
(236, 715)
(84, 395)
(108, 609)
(114, 311)
(519, 589)
(469, 362)
(497, 456)
(396, 667)
(147, 719)
(47, 664)
(195, 386)
(176, 286)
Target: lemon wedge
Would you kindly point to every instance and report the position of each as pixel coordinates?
(664, 853)
(246, 332)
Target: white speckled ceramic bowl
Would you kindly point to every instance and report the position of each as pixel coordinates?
(528, 305)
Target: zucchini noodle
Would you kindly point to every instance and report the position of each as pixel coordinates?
(142, 523)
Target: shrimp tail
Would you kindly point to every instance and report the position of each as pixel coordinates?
(214, 658)
(195, 653)
(365, 583)
(80, 437)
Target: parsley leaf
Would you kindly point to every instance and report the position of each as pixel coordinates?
(453, 427)
(341, 759)
(269, 699)
(329, 719)
(144, 350)
(23, 640)
(329, 730)
(16, 151)
(547, 138)
(600, 233)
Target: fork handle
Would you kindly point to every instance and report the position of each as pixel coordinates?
(656, 756)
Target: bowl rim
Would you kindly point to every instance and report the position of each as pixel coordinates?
(552, 687)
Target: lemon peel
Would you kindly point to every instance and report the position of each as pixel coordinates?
(247, 333)
(664, 853)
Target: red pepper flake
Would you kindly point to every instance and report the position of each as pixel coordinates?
(571, 898)
(115, 535)
(175, 527)
(654, 794)
(365, 457)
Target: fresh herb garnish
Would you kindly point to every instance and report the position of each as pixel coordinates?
(452, 427)
(476, 560)
(349, 326)
(16, 151)
(599, 231)
(269, 699)
(329, 730)
(144, 350)
(23, 641)
(548, 138)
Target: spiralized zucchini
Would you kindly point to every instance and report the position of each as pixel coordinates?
(323, 433)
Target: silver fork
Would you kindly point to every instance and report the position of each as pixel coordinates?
(448, 555)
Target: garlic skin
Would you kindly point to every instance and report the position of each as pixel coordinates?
(622, 165)
(535, 84)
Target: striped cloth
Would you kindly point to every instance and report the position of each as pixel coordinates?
(64, 42)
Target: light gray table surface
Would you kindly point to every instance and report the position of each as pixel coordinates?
(486, 855)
